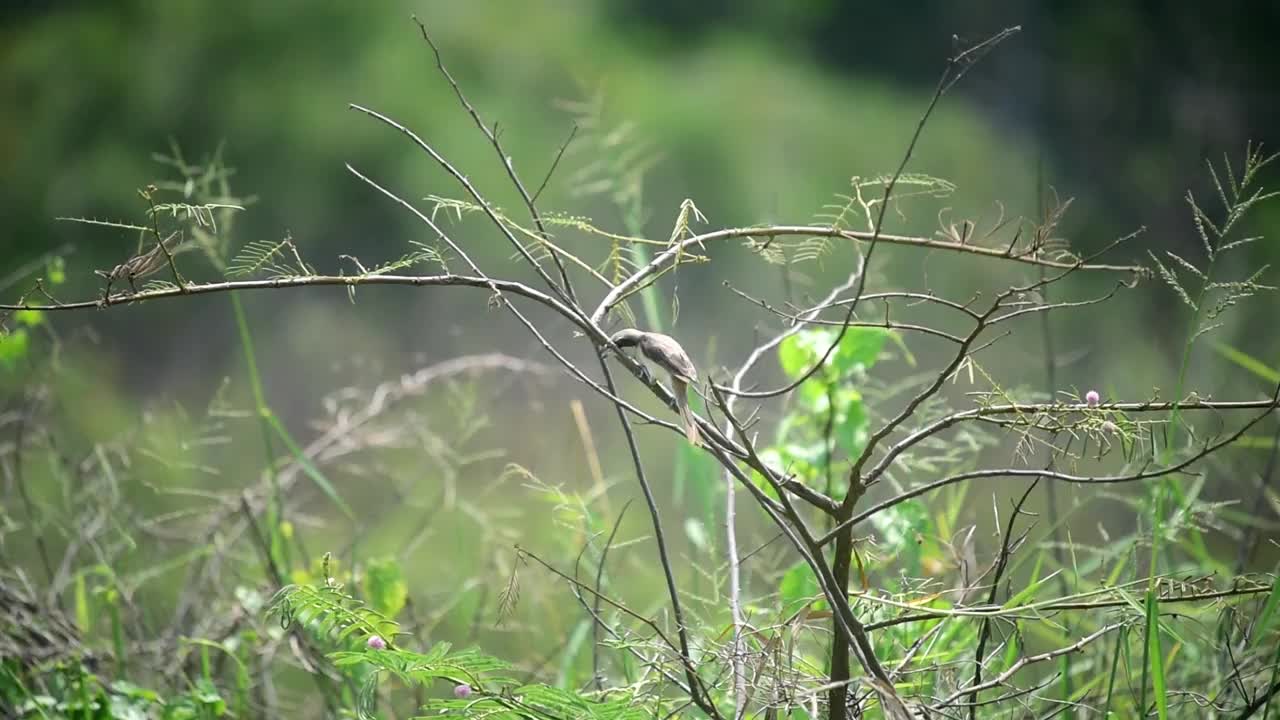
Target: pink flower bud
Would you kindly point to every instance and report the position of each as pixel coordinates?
(376, 643)
(462, 692)
(1092, 398)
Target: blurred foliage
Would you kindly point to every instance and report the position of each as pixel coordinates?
(759, 112)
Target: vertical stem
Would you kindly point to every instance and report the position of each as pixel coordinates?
(735, 599)
(275, 506)
(696, 691)
(840, 670)
(1051, 487)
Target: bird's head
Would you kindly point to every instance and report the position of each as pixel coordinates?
(629, 337)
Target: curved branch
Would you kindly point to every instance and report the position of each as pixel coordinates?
(128, 298)
(668, 255)
(1208, 449)
(1037, 408)
(471, 190)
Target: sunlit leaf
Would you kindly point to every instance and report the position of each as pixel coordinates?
(798, 586)
(697, 533)
(56, 271)
(1248, 362)
(30, 318)
(13, 347)
(385, 586)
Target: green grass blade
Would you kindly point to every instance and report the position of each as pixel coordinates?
(308, 468)
(1115, 665)
(1248, 362)
(1268, 614)
(1155, 657)
(1275, 676)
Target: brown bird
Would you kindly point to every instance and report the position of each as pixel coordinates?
(666, 353)
(148, 262)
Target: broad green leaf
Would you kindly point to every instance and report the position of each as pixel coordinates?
(799, 352)
(851, 422)
(13, 347)
(133, 692)
(385, 586)
(899, 529)
(798, 587)
(29, 318)
(1268, 615)
(859, 350)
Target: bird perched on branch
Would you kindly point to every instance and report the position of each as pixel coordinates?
(147, 263)
(666, 353)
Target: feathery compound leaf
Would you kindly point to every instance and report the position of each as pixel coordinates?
(255, 255)
(423, 254)
(203, 214)
(451, 206)
(277, 260)
(329, 612)
(158, 286)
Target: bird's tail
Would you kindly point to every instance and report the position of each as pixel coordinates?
(686, 415)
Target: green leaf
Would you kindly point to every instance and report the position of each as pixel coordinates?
(206, 694)
(83, 614)
(1268, 614)
(800, 351)
(900, 528)
(857, 352)
(344, 659)
(773, 459)
(1155, 657)
(859, 349)
(851, 426)
(13, 347)
(1248, 362)
(565, 678)
(133, 692)
(30, 318)
(308, 468)
(1115, 665)
(56, 271)
(697, 534)
(385, 586)
(798, 587)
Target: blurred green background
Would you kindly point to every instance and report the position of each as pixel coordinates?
(758, 111)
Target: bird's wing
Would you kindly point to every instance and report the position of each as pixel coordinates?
(665, 351)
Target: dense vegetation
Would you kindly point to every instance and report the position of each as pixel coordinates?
(907, 500)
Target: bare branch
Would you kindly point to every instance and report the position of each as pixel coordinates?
(626, 286)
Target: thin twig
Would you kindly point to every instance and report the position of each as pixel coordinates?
(1002, 562)
(573, 130)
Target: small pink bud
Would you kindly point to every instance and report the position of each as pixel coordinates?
(1092, 398)
(462, 692)
(376, 643)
